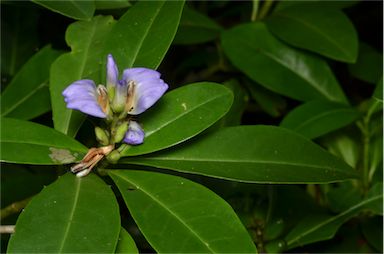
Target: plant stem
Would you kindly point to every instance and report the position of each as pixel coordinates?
(14, 208)
(265, 9)
(255, 8)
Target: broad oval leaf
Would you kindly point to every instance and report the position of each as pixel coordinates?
(83, 62)
(27, 95)
(32, 143)
(282, 69)
(258, 154)
(316, 228)
(76, 215)
(196, 27)
(316, 118)
(177, 215)
(126, 244)
(144, 33)
(182, 114)
(76, 9)
(328, 31)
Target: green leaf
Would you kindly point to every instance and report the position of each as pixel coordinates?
(266, 60)
(316, 228)
(112, 4)
(76, 9)
(19, 26)
(316, 118)
(83, 62)
(328, 32)
(177, 215)
(32, 143)
(259, 154)
(195, 27)
(144, 33)
(27, 95)
(126, 244)
(373, 232)
(369, 64)
(344, 146)
(343, 196)
(179, 116)
(67, 216)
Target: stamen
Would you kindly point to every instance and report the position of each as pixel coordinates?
(130, 96)
(102, 98)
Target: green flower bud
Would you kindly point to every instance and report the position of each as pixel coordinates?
(119, 134)
(113, 157)
(101, 136)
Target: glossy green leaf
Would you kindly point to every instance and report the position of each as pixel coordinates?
(177, 215)
(27, 95)
(76, 9)
(144, 33)
(264, 154)
(316, 228)
(19, 26)
(126, 244)
(76, 215)
(266, 60)
(32, 143)
(343, 146)
(316, 118)
(328, 32)
(179, 116)
(369, 64)
(86, 39)
(343, 196)
(195, 27)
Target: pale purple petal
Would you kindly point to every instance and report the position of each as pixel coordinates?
(82, 95)
(134, 135)
(149, 88)
(112, 72)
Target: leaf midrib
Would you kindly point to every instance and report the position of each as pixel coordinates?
(314, 28)
(224, 160)
(26, 97)
(71, 215)
(149, 133)
(290, 242)
(306, 122)
(167, 209)
(143, 37)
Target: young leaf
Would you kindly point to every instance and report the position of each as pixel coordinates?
(126, 244)
(316, 228)
(195, 27)
(144, 33)
(259, 154)
(73, 214)
(76, 9)
(32, 143)
(266, 60)
(179, 116)
(83, 62)
(177, 215)
(316, 118)
(328, 32)
(27, 95)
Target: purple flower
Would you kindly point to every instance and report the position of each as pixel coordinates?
(135, 134)
(84, 96)
(137, 91)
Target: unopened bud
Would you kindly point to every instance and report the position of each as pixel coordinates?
(120, 132)
(102, 136)
(114, 157)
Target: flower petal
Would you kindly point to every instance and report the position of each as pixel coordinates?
(112, 72)
(148, 88)
(82, 95)
(134, 135)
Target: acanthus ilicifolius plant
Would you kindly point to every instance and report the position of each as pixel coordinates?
(118, 104)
